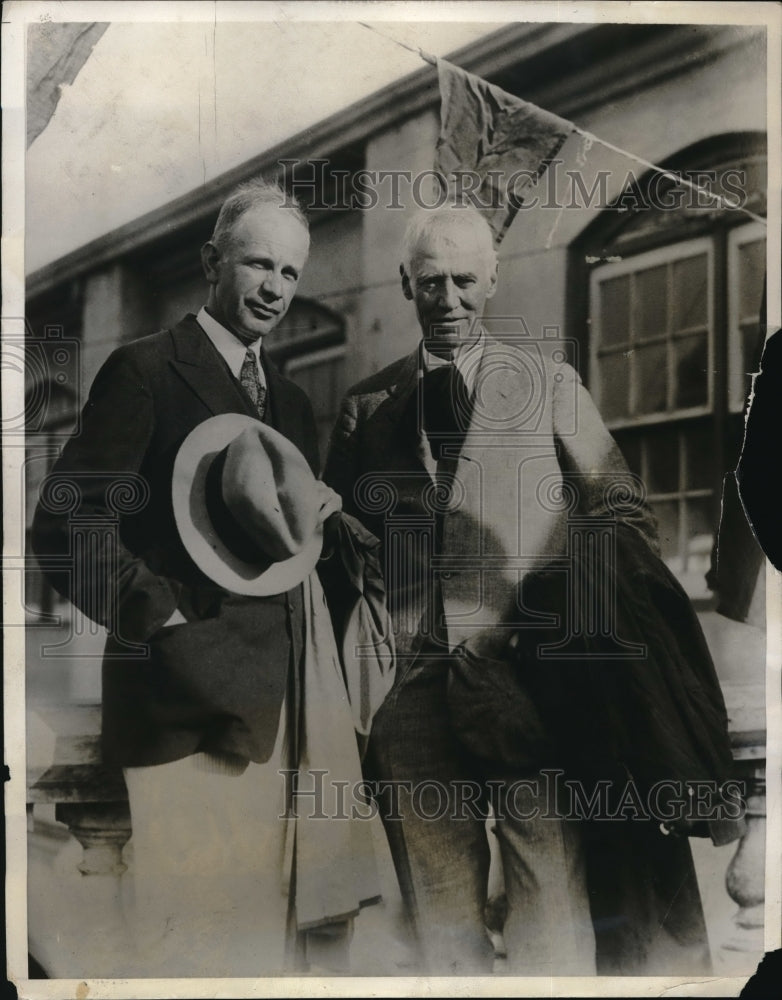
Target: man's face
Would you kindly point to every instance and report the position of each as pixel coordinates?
(254, 276)
(450, 280)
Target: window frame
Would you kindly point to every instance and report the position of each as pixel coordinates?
(667, 255)
(737, 237)
(307, 359)
(616, 239)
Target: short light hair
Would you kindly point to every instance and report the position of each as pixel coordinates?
(463, 221)
(250, 194)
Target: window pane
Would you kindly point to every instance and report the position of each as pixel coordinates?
(691, 356)
(614, 386)
(668, 358)
(651, 303)
(699, 458)
(651, 374)
(662, 460)
(322, 379)
(747, 271)
(700, 540)
(700, 524)
(615, 311)
(630, 445)
(752, 338)
(667, 514)
(751, 349)
(689, 293)
(752, 266)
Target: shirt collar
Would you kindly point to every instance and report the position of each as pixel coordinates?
(466, 358)
(228, 344)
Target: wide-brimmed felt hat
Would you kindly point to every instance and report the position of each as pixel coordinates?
(246, 506)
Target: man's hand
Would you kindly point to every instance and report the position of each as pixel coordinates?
(330, 502)
(681, 827)
(329, 517)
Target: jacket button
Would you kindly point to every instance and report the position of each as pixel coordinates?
(447, 575)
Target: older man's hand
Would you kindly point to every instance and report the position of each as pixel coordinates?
(329, 516)
(177, 618)
(330, 502)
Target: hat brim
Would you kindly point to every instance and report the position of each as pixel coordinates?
(198, 533)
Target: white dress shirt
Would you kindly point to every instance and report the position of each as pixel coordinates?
(228, 344)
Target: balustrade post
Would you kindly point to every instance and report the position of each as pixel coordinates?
(744, 879)
(102, 829)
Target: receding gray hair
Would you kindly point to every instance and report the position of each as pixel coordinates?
(250, 194)
(464, 220)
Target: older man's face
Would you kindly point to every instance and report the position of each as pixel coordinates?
(449, 281)
(254, 276)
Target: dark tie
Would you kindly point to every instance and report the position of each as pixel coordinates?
(446, 408)
(251, 382)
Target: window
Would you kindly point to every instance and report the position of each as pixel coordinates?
(309, 348)
(673, 318)
(653, 329)
(321, 375)
(746, 268)
(42, 602)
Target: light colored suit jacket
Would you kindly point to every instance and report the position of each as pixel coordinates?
(535, 457)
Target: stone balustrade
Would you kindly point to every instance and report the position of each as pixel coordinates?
(90, 800)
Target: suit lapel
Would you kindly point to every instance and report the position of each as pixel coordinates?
(403, 414)
(201, 366)
(494, 451)
(500, 392)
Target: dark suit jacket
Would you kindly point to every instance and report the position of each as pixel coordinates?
(105, 534)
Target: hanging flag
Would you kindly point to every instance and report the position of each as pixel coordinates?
(55, 54)
(498, 143)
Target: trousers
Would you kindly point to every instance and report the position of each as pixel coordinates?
(434, 801)
(210, 867)
(212, 893)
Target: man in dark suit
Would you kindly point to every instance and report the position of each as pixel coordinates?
(463, 458)
(202, 772)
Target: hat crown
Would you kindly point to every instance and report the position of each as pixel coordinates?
(270, 490)
(246, 505)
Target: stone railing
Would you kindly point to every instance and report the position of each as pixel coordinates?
(91, 802)
(745, 877)
(76, 923)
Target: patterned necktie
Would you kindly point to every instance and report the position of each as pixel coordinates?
(446, 408)
(251, 382)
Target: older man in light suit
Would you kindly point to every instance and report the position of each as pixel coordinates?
(455, 457)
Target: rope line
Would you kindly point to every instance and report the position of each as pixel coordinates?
(590, 137)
